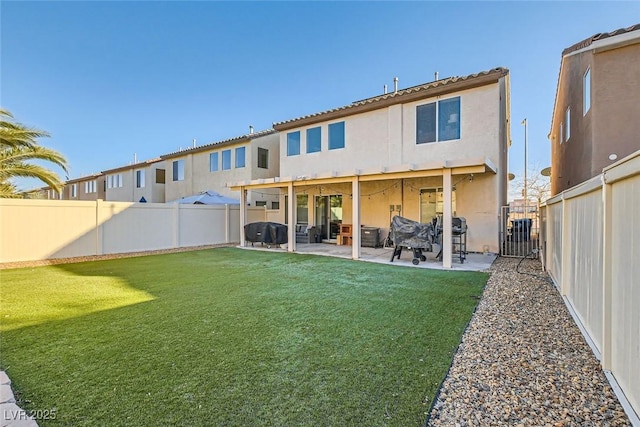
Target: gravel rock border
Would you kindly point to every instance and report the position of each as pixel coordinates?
(524, 362)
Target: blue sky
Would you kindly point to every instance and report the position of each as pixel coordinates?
(110, 79)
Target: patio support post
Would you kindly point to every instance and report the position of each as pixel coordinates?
(243, 214)
(355, 206)
(447, 223)
(291, 227)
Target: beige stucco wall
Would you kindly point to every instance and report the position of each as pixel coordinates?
(271, 143)
(81, 194)
(615, 95)
(571, 159)
(152, 191)
(177, 189)
(609, 127)
(124, 193)
(387, 137)
(476, 200)
(199, 178)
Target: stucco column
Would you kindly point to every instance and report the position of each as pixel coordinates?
(243, 214)
(447, 211)
(355, 206)
(291, 227)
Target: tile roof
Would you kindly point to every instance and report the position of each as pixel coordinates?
(83, 178)
(242, 138)
(600, 36)
(424, 90)
(132, 165)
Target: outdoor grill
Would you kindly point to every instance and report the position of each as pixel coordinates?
(458, 238)
(271, 233)
(417, 236)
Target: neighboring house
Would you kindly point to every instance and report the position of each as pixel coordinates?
(209, 167)
(46, 193)
(89, 187)
(436, 149)
(595, 116)
(139, 182)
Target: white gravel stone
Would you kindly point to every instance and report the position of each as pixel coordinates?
(6, 394)
(4, 378)
(523, 361)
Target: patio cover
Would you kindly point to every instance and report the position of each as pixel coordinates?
(446, 169)
(207, 198)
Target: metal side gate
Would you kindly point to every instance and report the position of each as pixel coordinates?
(519, 231)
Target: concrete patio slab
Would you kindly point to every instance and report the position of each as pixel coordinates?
(473, 261)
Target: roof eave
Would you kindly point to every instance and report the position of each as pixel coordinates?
(206, 147)
(236, 140)
(456, 86)
(132, 166)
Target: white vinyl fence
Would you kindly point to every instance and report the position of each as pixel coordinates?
(592, 251)
(45, 229)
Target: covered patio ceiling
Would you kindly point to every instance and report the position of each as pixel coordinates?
(410, 170)
(355, 177)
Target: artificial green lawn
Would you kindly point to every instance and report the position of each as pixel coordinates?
(232, 337)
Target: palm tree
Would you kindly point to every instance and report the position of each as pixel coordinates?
(18, 147)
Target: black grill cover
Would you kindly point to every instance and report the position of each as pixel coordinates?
(266, 232)
(411, 234)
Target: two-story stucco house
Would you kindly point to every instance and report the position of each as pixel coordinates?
(90, 187)
(595, 116)
(209, 167)
(139, 182)
(46, 193)
(436, 149)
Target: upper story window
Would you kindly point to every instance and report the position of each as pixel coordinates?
(567, 124)
(74, 190)
(586, 92)
(178, 170)
(240, 157)
(140, 178)
(226, 160)
(293, 143)
(438, 121)
(160, 176)
(336, 135)
(313, 140)
(263, 158)
(114, 181)
(90, 187)
(214, 162)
